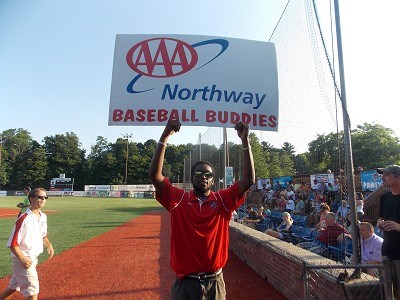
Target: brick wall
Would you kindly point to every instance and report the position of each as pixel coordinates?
(281, 264)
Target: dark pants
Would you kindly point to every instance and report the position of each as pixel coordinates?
(195, 289)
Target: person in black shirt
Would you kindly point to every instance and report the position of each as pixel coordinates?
(389, 221)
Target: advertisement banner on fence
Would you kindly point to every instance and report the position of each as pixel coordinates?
(323, 178)
(200, 80)
(262, 181)
(281, 182)
(370, 180)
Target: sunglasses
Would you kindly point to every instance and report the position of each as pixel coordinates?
(42, 197)
(200, 174)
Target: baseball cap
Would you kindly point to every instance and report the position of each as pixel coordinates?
(391, 169)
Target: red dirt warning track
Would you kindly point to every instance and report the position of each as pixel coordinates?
(8, 213)
(132, 262)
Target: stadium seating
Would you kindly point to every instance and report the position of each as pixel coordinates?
(298, 237)
(341, 251)
(310, 237)
(263, 225)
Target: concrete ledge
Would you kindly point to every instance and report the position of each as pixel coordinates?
(281, 264)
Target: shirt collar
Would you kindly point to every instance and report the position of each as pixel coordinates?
(194, 198)
(29, 212)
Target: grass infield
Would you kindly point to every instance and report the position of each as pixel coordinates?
(73, 220)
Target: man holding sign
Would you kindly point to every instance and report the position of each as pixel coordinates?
(200, 219)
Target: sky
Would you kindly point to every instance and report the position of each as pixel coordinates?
(56, 58)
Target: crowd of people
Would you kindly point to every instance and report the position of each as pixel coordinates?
(328, 215)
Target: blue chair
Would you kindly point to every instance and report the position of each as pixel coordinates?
(311, 237)
(301, 221)
(297, 237)
(288, 235)
(296, 218)
(276, 218)
(263, 224)
(341, 251)
(295, 231)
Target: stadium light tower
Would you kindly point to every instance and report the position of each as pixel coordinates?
(126, 136)
(1, 150)
(1, 147)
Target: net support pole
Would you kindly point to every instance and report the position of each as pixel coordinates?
(347, 139)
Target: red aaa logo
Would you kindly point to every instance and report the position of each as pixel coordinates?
(161, 57)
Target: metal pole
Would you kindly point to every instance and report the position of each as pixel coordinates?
(199, 146)
(305, 281)
(347, 139)
(127, 136)
(225, 154)
(184, 173)
(1, 150)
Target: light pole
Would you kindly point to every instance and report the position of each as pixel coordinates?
(1, 150)
(1, 147)
(126, 136)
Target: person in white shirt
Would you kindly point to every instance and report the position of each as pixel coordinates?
(290, 194)
(371, 246)
(26, 243)
(290, 206)
(342, 212)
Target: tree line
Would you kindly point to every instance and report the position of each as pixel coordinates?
(24, 161)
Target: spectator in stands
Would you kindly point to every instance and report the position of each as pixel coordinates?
(324, 210)
(275, 194)
(320, 196)
(336, 189)
(267, 211)
(289, 205)
(389, 221)
(319, 186)
(330, 194)
(315, 213)
(290, 185)
(360, 206)
(274, 204)
(342, 212)
(329, 236)
(264, 194)
(290, 193)
(312, 195)
(300, 207)
(283, 192)
(315, 186)
(283, 227)
(297, 185)
(282, 203)
(347, 224)
(302, 194)
(252, 217)
(371, 246)
(235, 216)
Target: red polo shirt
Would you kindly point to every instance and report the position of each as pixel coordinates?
(199, 232)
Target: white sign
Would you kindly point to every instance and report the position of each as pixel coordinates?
(200, 80)
(229, 175)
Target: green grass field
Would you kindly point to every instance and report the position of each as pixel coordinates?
(74, 220)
